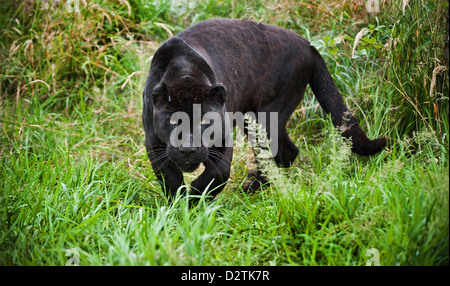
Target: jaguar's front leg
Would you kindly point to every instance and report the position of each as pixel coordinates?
(216, 173)
(169, 176)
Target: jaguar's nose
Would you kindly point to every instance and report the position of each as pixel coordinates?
(187, 151)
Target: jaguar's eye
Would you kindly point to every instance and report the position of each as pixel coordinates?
(204, 121)
(173, 121)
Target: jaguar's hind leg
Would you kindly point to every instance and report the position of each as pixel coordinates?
(285, 156)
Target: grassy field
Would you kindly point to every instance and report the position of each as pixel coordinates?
(75, 179)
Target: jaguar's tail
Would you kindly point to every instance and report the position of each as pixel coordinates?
(331, 100)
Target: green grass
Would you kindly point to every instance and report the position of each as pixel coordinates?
(74, 173)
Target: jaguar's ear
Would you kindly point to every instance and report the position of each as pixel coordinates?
(218, 94)
(160, 94)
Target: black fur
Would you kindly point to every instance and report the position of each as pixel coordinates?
(233, 65)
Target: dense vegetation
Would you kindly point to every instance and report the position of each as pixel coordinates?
(74, 174)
